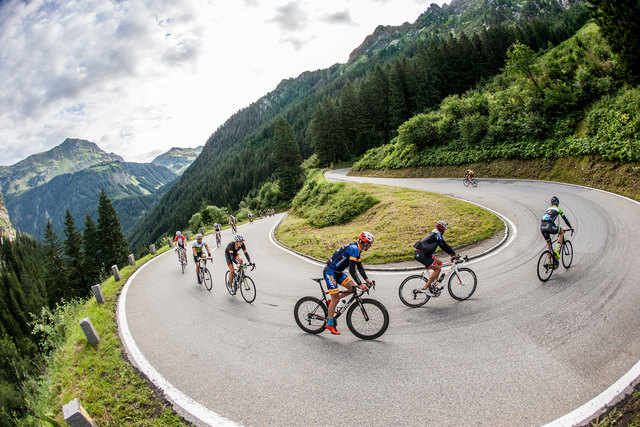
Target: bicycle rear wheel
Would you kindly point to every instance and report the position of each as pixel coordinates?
(545, 266)
(567, 254)
(367, 320)
(462, 284)
(208, 283)
(310, 314)
(408, 294)
(248, 289)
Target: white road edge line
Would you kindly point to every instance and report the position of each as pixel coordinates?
(192, 410)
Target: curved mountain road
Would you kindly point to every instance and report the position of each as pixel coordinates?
(519, 352)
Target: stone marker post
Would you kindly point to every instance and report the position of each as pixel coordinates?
(188, 235)
(116, 272)
(89, 331)
(76, 416)
(152, 249)
(97, 292)
(201, 230)
(132, 259)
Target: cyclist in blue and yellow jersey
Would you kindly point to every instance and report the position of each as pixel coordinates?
(233, 257)
(548, 225)
(425, 249)
(198, 252)
(348, 255)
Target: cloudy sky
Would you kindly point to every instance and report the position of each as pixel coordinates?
(138, 77)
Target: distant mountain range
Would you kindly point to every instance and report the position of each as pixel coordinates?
(177, 159)
(71, 175)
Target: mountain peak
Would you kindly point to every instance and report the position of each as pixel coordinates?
(177, 159)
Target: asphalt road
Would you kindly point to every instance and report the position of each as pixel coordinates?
(519, 352)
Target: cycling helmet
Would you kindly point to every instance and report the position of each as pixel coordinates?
(442, 225)
(239, 238)
(199, 236)
(554, 201)
(178, 233)
(365, 237)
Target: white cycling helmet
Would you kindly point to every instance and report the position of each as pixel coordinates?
(178, 233)
(199, 236)
(238, 238)
(442, 225)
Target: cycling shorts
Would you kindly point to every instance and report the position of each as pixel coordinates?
(425, 259)
(547, 228)
(335, 278)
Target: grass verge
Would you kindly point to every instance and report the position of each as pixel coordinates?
(107, 385)
(401, 218)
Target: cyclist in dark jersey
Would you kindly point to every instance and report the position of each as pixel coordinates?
(548, 224)
(348, 255)
(233, 257)
(425, 249)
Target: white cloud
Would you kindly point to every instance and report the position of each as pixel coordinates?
(138, 77)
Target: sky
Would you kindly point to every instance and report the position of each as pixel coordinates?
(139, 77)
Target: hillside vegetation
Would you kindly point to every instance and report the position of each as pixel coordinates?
(342, 111)
(568, 101)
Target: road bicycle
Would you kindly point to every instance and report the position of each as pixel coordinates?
(242, 281)
(218, 239)
(234, 228)
(472, 181)
(182, 258)
(367, 318)
(462, 284)
(548, 261)
(205, 274)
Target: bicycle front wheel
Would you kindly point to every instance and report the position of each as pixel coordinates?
(368, 319)
(208, 283)
(545, 266)
(409, 294)
(183, 264)
(462, 284)
(567, 254)
(474, 182)
(248, 289)
(465, 182)
(311, 315)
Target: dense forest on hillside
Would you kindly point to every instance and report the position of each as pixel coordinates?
(341, 112)
(37, 277)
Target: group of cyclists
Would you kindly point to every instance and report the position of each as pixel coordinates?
(350, 255)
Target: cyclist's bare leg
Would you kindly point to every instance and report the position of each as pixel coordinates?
(231, 274)
(560, 235)
(436, 267)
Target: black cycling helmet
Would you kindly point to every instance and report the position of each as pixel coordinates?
(554, 201)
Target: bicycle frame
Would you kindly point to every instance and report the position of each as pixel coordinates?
(455, 265)
(354, 296)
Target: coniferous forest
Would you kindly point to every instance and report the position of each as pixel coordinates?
(37, 277)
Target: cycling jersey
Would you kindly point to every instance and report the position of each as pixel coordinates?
(180, 241)
(333, 271)
(548, 224)
(198, 246)
(430, 243)
(230, 253)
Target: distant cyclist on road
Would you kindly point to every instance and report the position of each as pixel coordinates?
(425, 249)
(468, 174)
(232, 222)
(548, 225)
(250, 217)
(232, 255)
(348, 255)
(198, 252)
(181, 243)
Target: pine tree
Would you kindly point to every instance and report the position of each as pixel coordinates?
(56, 278)
(286, 154)
(90, 249)
(114, 245)
(74, 257)
(327, 137)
